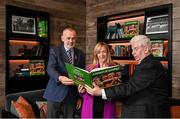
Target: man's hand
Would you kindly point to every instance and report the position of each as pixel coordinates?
(65, 80)
(96, 91)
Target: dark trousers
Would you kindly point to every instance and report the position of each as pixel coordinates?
(66, 108)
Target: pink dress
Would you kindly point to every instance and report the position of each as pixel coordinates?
(87, 107)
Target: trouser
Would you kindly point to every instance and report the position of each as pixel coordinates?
(67, 107)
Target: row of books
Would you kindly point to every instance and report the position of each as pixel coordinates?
(159, 49)
(126, 30)
(26, 50)
(32, 68)
(122, 50)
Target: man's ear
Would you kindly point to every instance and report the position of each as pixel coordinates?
(146, 49)
(61, 38)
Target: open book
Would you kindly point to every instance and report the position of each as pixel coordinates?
(103, 77)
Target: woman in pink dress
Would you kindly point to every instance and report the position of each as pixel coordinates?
(96, 107)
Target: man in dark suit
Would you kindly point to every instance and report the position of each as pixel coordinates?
(146, 93)
(61, 92)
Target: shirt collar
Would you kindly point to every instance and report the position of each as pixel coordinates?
(67, 48)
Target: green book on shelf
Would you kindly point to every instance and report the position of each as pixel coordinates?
(103, 77)
(42, 28)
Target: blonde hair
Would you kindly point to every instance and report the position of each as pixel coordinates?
(97, 50)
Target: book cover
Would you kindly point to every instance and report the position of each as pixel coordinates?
(131, 28)
(103, 77)
(42, 28)
(157, 48)
(36, 67)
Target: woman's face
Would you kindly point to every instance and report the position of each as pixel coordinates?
(102, 55)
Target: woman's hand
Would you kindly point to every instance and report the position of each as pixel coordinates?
(81, 88)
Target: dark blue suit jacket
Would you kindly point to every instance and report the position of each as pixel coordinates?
(55, 90)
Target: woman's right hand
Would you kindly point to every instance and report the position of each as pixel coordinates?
(81, 88)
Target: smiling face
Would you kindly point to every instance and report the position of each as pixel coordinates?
(102, 55)
(69, 38)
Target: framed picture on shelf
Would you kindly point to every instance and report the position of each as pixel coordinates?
(23, 25)
(157, 24)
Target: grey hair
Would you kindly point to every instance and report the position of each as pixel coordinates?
(142, 40)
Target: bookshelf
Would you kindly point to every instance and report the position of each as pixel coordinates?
(27, 44)
(156, 22)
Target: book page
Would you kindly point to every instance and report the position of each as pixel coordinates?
(98, 69)
(107, 76)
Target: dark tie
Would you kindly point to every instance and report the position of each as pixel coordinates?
(69, 54)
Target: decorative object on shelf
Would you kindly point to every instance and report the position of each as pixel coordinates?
(157, 48)
(23, 25)
(114, 31)
(157, 24)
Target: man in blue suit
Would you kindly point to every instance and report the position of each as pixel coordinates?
(61, 92)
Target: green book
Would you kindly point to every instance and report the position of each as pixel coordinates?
(103, 77)
(42, 28)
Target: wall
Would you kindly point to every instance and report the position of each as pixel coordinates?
(95, 8)
(62, 13)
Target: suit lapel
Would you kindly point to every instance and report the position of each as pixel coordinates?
(76, 59)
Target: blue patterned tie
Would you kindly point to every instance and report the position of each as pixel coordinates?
(69, 54)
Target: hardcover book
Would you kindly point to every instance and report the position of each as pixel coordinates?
(103, 77)
(37, 67)
(131, 28)
(157, 48)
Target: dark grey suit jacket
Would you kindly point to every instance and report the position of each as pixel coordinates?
(146, 93)
(55, 90)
